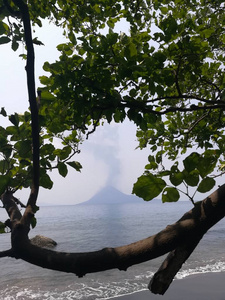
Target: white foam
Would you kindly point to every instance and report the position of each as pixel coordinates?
(214, 267)
(99, 289)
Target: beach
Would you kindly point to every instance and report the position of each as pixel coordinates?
(208, 286)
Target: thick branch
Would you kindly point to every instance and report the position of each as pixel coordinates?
(162, 279)
(11, 207)
(6, 253)
(191, 227)
(174, 261)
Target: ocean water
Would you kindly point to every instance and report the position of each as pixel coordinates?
(92, 227)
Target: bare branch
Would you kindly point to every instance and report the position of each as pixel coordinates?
(17, 201)
(197, 121)
(191, 227)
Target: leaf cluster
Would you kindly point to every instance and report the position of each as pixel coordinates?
(195, 173)
(158, 63)
(16, 153)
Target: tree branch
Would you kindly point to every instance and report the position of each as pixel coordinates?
(162, 279)
(144, 107)
(33, 107)
(6, 253)
(17, 201)
(181, 238)
(11, 207)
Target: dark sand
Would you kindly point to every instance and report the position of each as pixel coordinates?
(208, 286)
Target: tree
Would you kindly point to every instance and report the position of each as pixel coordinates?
(166, 74)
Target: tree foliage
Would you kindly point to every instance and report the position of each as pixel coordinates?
(158, 63)
(165, 72)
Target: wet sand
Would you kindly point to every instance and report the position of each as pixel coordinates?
(208, 286)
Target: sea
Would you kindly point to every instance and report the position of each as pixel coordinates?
(81, 228)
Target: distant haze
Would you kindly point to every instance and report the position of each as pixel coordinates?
(110, 195)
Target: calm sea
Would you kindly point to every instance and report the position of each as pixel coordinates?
(92, 227)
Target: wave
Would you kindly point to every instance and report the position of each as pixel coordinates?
(95, 290)
(208, 268)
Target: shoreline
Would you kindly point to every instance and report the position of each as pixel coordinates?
(210, 286)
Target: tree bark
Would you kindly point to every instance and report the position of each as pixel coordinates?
(162, 279)
(30, 207)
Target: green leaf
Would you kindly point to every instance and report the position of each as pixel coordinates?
(170, 194)
(37, 42)
(191, 162)
(45, 181)
(164, 10)
(64, 153)
(206, 185)
(110, 23)
(47, 150)
(15, 45)
(62, 168)
(191, 178)
(119, 115)
(148, 187)
(2, 227)
(36, 208)
(24, 56)
(131, 50)
(207, 163)
(14, 119)
(3, 166)
(176, 177)
(76, 165)
(3, 28)
(4, 40)
(66, 48)
(38, 22)
(3, 112)
(45, 95)
(24, 148)
(33, 222)
(4, 180)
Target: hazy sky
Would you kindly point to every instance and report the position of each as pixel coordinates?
(108, 156)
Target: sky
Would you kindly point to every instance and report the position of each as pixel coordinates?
(108, 156)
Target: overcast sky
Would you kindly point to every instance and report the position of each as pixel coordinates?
(108, 156)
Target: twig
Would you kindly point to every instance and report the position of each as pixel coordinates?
(17, 201)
